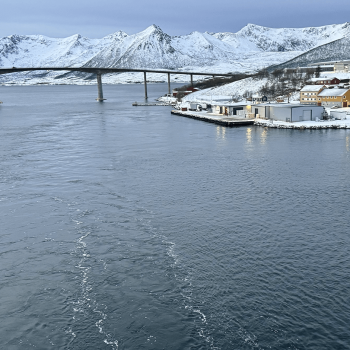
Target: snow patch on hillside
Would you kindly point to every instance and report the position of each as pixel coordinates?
(227, 91)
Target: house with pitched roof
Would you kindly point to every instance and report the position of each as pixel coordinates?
(308, 94)
(325, 81)
(334, 98)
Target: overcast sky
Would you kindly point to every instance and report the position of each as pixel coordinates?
(97, 18)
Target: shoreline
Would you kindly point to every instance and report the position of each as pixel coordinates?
(89, 84)
(235, 122)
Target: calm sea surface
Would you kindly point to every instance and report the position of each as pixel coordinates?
(128, 228)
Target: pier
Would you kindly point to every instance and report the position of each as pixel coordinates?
(215, 119)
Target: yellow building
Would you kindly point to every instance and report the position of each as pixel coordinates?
(308, 94)
(334, 97)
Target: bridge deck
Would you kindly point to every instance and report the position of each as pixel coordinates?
(101, 70)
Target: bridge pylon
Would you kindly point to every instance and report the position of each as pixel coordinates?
(99, 87)
(145, 82)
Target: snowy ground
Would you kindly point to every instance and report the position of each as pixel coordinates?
(168, 99)
(236, 89)
(227, 91)
(231, 91)
(322, 124)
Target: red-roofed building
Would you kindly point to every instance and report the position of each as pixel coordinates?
(325, 81)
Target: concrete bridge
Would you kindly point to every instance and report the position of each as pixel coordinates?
(99, 71)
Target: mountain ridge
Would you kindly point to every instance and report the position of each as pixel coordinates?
(251, 48)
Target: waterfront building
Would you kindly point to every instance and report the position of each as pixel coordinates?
(287, 112)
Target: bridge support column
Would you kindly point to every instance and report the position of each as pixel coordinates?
(99, 87)
(169, 90)
(191, 80)
(145, 80)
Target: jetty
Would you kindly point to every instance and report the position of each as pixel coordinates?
(151, 104)
(215, 119)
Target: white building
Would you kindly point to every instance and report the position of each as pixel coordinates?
(287, 112)
(229, 109)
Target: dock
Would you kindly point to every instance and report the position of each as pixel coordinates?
(151, 104)
(215, 119)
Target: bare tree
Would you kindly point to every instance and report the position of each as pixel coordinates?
(247, 94)
(317, 72)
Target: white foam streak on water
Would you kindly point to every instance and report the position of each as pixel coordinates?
(87, 299)
(249, 338)
(181, 274)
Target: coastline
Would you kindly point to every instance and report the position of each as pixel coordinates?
(234, 122)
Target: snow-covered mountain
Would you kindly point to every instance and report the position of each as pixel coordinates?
(256, 38)
(150, 48)
(38, 50)
(336, 50)
(251, 48)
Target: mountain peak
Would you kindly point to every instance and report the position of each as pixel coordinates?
(152, 29)
(119, 35)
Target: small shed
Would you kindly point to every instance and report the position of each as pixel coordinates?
(231, 109)
(256, 98)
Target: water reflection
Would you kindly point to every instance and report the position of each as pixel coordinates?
(220, 132)
(249, 135)
(263, 136)
(347, 143)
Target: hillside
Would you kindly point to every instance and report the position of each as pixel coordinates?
(334, 51)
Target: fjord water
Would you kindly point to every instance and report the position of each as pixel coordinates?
(128, 228)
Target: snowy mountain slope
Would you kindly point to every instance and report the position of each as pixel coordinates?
(252, 48)
(38, 50)
(203, 47)
(153, 48)
(258, 38)
(150, 48)
(334, 51)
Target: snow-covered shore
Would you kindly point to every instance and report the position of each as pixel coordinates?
(232, 121)
(323, 124)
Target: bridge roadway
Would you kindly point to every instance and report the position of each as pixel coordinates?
(100, 70)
